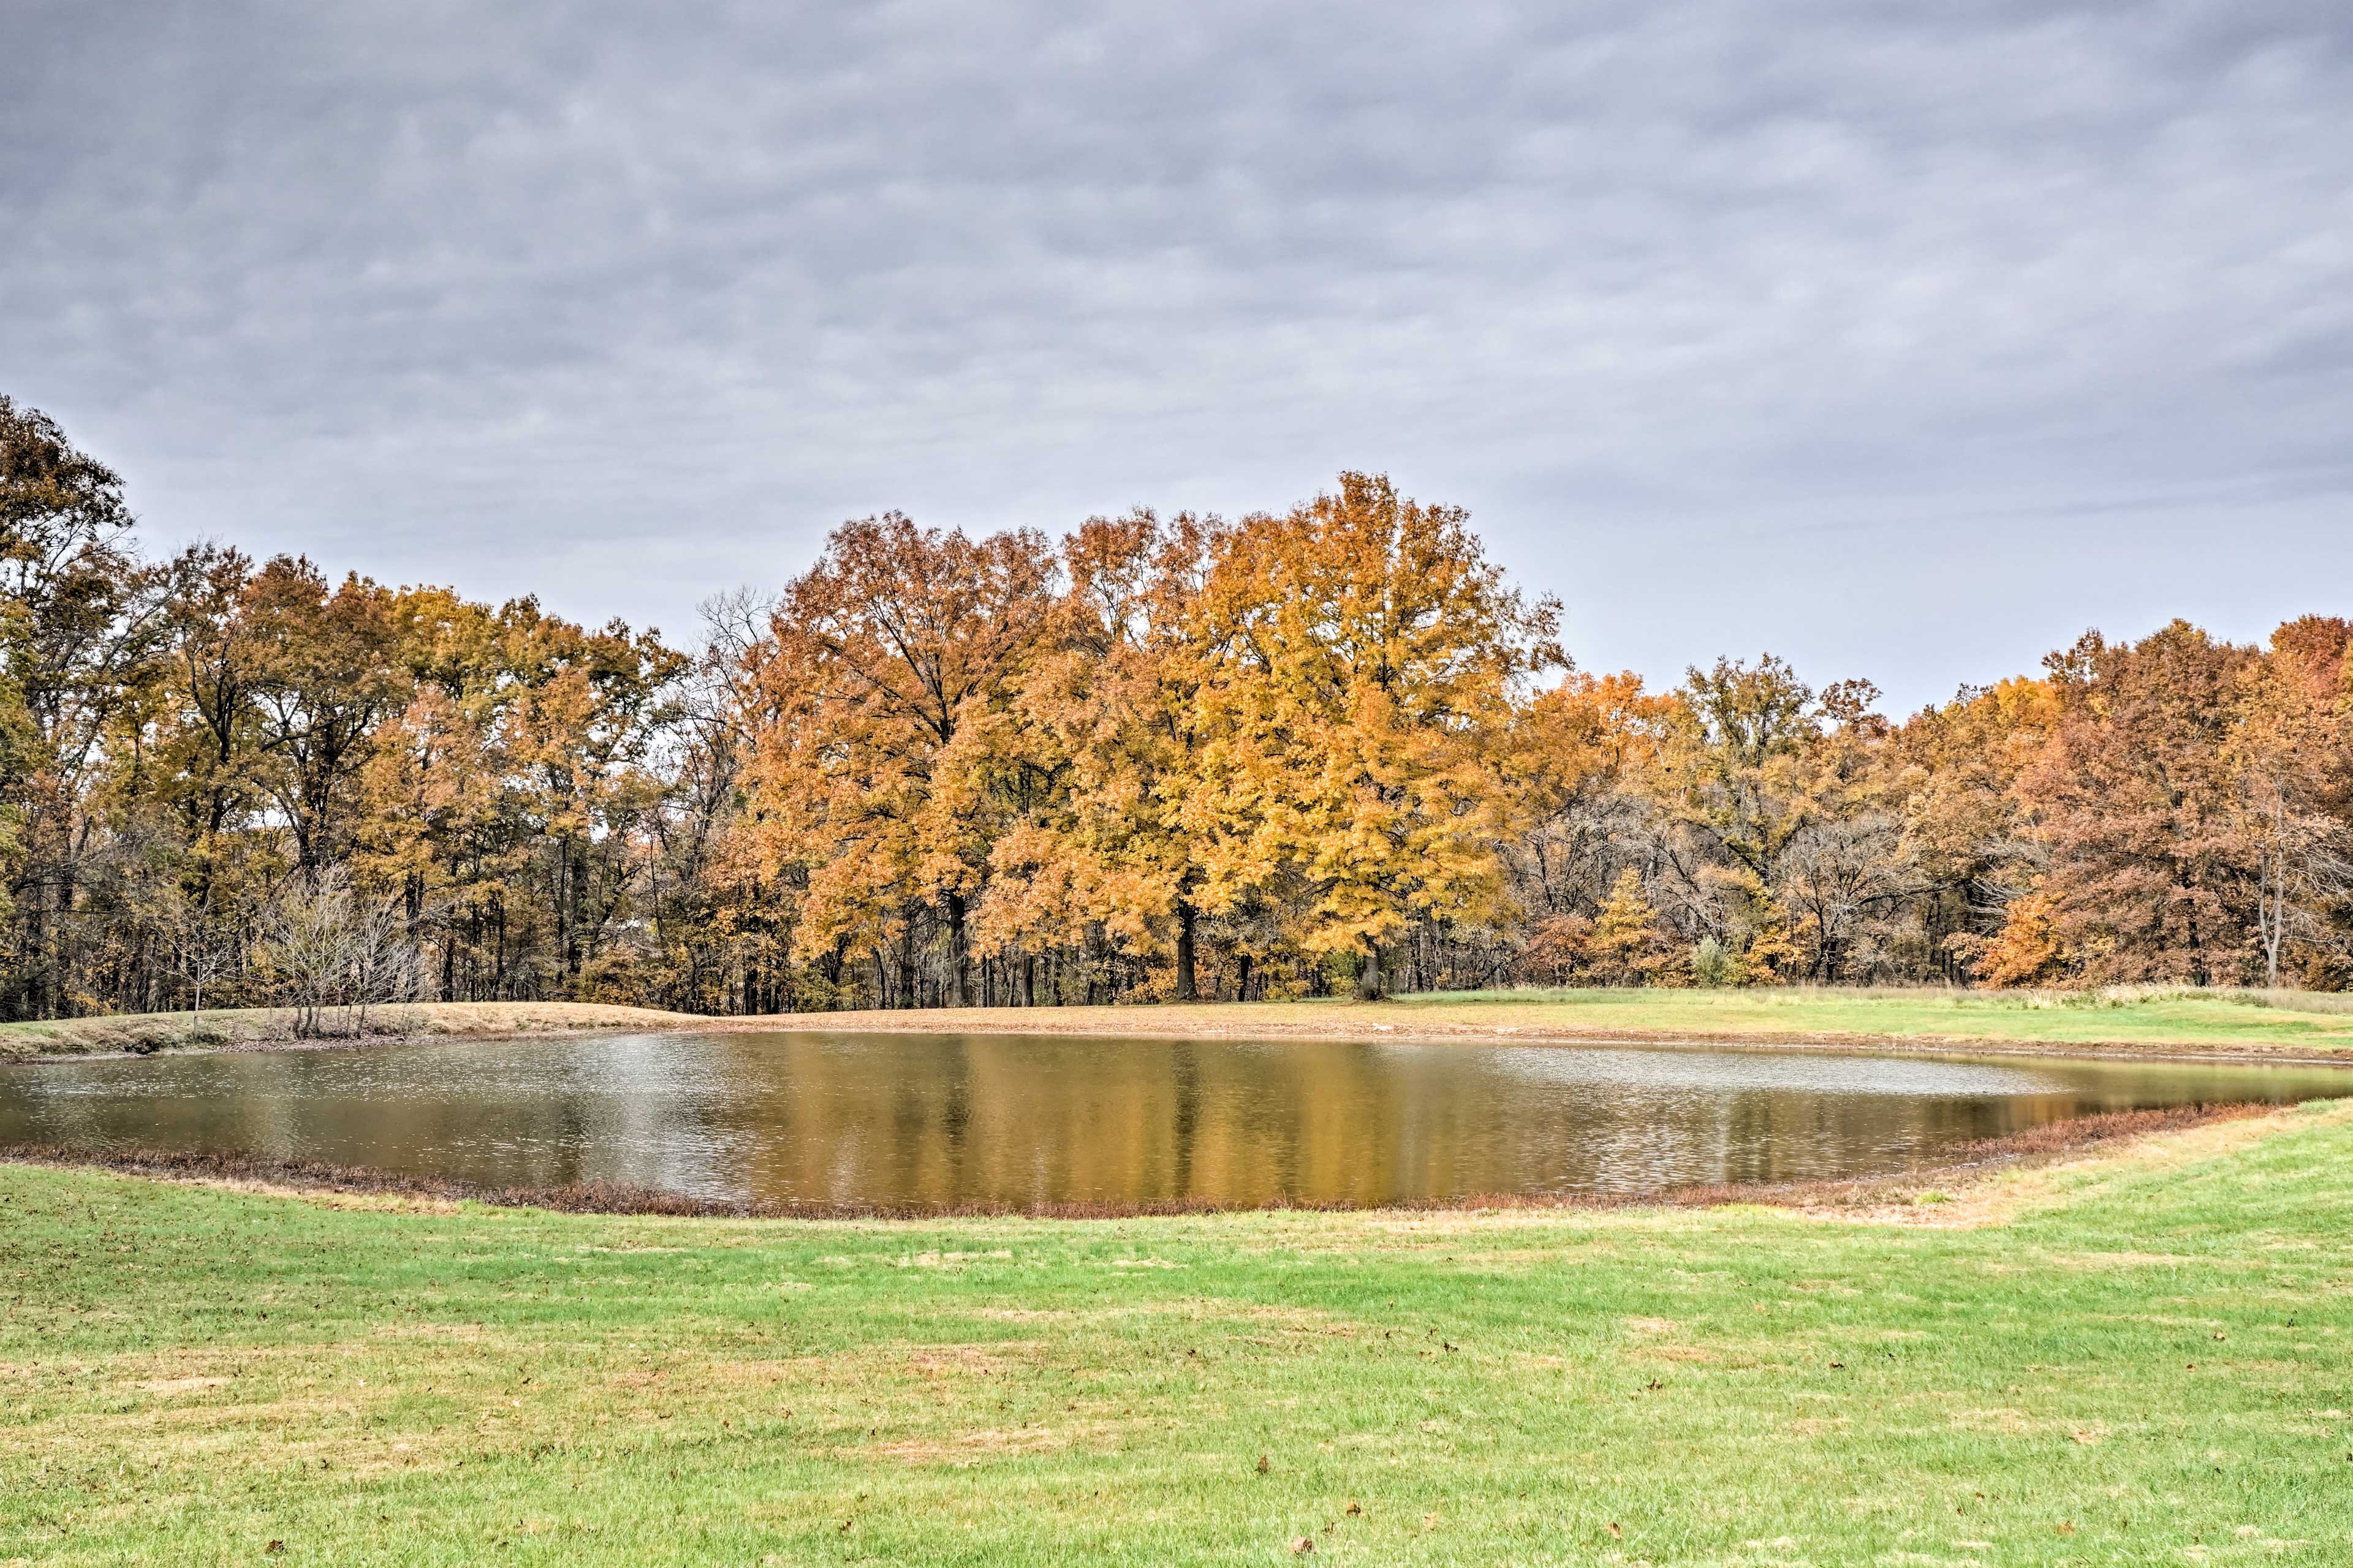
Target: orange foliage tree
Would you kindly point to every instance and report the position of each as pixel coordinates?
(1361, 666)
(878, 780)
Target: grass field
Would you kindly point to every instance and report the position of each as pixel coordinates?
(2136, 1358)
(2169, 1019)
(2236, 1022)
(2156, 1016)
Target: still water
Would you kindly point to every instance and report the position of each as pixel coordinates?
(940, 1120)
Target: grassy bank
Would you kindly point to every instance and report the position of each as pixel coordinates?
(2241, 1022)
(238, 1028)
(2138, 1358)
(2249, 1023)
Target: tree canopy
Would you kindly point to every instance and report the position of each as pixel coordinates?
(1319, 749)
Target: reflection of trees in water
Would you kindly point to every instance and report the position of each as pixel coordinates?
(1050, 1118)
(934, 1120)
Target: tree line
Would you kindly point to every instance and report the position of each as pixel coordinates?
(1330, 749)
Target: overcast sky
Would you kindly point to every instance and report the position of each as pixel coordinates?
(1905, 340)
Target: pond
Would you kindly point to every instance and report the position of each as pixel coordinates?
(940, 1120)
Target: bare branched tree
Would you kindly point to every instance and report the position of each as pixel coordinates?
(331, 948)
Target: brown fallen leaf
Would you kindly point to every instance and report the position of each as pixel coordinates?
(1616, 1533)
(2066, 1527)
(274, 1548)
(1262, 1466)
(1355, 1508)
(1303, 1546)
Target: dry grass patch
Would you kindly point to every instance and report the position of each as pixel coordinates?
(962, 1361)
(968, 1448)
(170, 1385)
(272, 1028)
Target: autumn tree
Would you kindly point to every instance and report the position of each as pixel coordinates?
(1583, 759)
(1780, 843)
(1361, 660)
(1953, 774)
(2153, 875)
(329, 675)
(1624, 945)
(77, 632)
(208, 739)
(1096, 756)
(1582, 765)
(586, 707)
(2291, 762)
(880, 660)
(724, 925)
(440, 822)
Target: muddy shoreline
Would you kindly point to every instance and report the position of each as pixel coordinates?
(307, 1178)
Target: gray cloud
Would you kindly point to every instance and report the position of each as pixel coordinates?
(1906, 341)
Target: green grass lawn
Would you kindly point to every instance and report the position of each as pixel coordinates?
(2273, 1022)
(2139, 1359)
(2322, 1022)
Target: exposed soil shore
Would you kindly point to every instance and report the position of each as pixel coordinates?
(2039, 1145)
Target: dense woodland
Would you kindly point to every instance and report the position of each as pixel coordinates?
(1329, 749)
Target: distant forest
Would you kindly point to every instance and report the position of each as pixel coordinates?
(1325, 750)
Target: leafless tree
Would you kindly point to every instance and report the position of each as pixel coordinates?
(203, 951)
(332, 948)
(2302, 863)
(384, 960)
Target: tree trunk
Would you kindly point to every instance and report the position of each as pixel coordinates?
(1368, 978)
(2272, 905)
(1186, 917)
(908, 996)
(955, 902)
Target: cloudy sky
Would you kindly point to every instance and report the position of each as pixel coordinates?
(1905, 340)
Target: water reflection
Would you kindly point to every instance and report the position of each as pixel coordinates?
(948, 1120)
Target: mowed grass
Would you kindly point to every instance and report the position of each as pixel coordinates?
(2179, 1019)
(2137, 1359)
(2322, 1022)
(2238, 1021)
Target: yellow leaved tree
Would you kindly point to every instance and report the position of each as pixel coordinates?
(875, 776)
(1098, 750)
(1360, 661)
